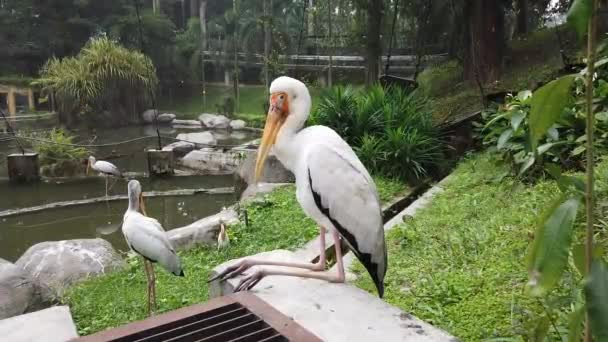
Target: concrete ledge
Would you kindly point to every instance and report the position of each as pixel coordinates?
(334, 312)
(48, 325)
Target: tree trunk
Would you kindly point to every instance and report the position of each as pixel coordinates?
(236, 56)
(331, 45)
(374, 22)
(203, 22)
(522, 17)
(484, 40)
(156, 6)
(194, 8)
(267, 28)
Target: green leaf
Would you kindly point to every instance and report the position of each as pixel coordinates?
(553, 133)
(580, 149)
(551, 247)
(541, 330)
(524, 95)
(596, 296)
(504, 138)
(548, 104)
(578, 255)
(528, 162)
(517, 118)
(579, 15)
(575, 324)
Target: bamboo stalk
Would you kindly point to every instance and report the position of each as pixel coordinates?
(589, 198)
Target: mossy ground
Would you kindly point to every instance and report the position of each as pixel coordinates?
(277, 222)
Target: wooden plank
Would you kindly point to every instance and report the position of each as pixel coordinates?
(63, 204)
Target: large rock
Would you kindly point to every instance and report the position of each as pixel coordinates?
(202, 232)
(199, 138)
(237, 124)
(49, 325)
(274, 172)
(164, 118)
(180, 148)
(214, 121)
(19, 292)
(192, 124)
(59, 264)
(212, 161)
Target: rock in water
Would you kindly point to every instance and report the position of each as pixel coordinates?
(214, 121)
(179, 148)
(166, 118)
(209, 160)
(60, 264)
(19, 292)
(202, 138)
(237, 124)
(148, 115)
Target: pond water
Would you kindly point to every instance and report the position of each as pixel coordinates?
(17, 233)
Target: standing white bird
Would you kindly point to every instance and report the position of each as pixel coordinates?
(223, 241)
(146, 237)
(105, 168)
(333, 188)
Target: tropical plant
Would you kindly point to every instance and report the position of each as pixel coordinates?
(556, 233)
(104, 76)
(390, 129)
(57, 146)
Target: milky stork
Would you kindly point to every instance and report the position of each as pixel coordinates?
(105, 168)
(146, 237)
(333, 188)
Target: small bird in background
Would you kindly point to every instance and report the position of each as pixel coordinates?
(222, 238)
(105, 168)
(146, 237)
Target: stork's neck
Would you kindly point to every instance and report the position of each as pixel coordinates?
(133, 202)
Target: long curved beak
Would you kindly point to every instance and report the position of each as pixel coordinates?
(142, 205)
(274, 121)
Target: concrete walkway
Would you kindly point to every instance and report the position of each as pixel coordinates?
(49, 325)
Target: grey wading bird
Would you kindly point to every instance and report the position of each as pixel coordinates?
(333, 188)
(105, 168)
(146, 237)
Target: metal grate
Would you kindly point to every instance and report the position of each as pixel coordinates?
(241, 317)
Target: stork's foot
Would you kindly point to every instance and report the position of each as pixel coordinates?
(250, 281)
(233, 271)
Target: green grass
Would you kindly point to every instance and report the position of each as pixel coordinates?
(250, 109)
(277, 222)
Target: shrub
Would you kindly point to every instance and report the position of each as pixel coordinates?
(507, 131)
(104, 76)
(55, 146)
(391, 130)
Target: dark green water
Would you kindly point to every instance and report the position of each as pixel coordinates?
(17, 233)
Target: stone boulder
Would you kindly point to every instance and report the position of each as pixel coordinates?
(199, 138)
(164, 118)
(212, 161)
(237, 124)
(60, 264)
(19, 292)
(180, 148)
(186, 124)
(274, 172)
(202, 232)
(214, 121)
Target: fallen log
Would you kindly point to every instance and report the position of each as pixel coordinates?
(148, 194)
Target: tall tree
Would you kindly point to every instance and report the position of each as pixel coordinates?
(203, 22)
(522, 17)
(375, 10)
(484, 39)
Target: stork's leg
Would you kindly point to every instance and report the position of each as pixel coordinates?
(106, 178)
(245, 264)
(147, 270)
(250, 281)
(153, 286)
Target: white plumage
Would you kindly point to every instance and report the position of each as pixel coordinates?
(146, 237)
(333, 188)
(105, 168)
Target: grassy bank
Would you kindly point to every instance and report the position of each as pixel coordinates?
(460, 264)
(115, 299)
(251, 103)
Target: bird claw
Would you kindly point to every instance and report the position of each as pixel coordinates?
(232, 271)
(250, 281)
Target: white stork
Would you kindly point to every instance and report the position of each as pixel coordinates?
(146, 237)
(105, 168)
(333, 188)
(223, 241)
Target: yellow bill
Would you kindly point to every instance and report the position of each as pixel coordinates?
(277, 113)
